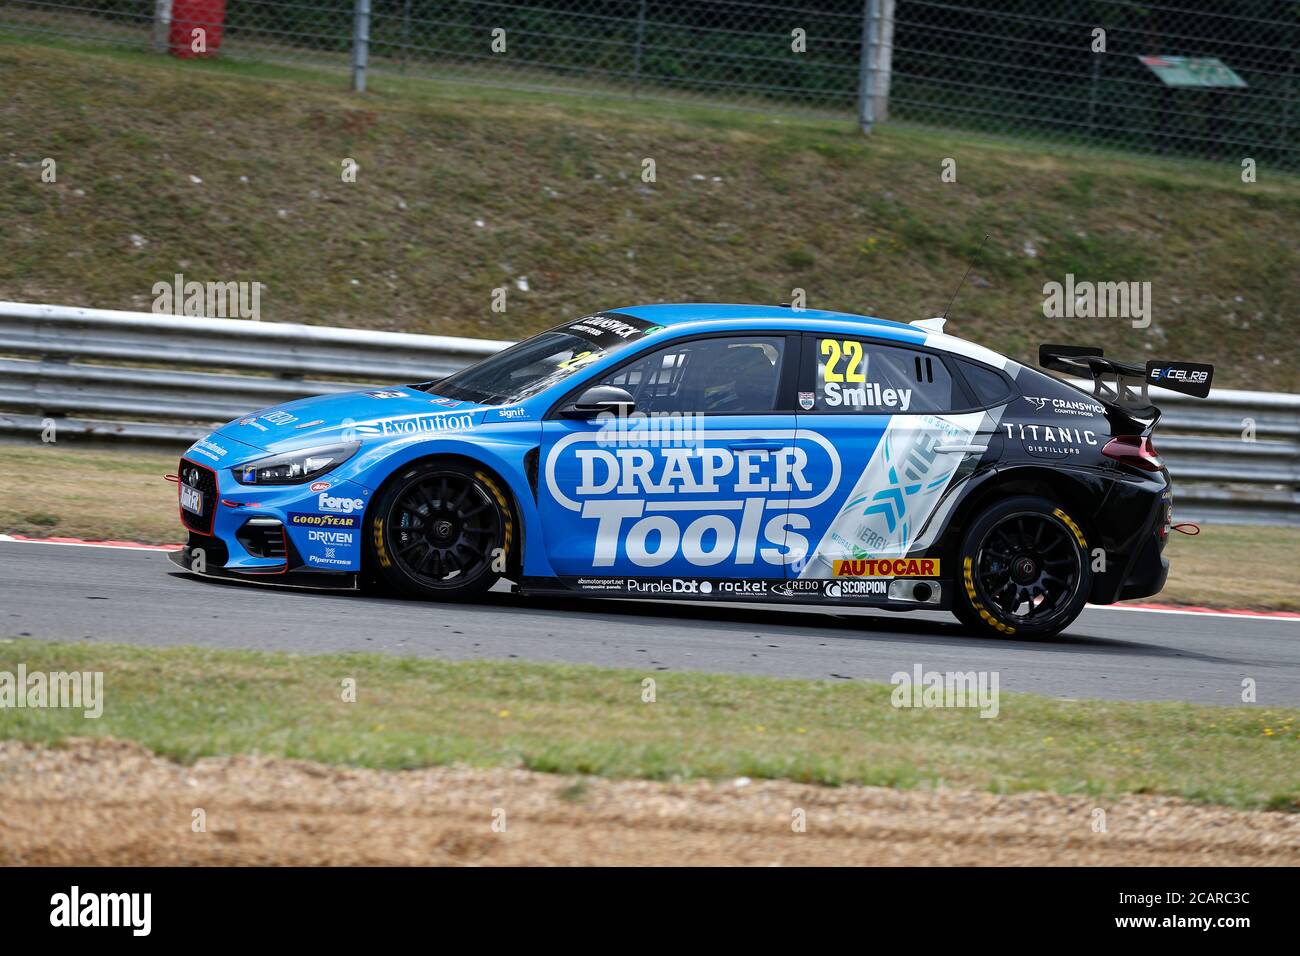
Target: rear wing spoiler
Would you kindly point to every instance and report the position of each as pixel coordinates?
(1126, 383)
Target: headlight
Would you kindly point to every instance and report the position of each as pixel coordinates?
(295, 467)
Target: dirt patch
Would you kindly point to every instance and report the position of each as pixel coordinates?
(104, 802)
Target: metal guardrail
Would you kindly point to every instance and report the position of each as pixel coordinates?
(126, 396)
(164, 381)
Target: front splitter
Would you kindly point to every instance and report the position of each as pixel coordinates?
(311, 580)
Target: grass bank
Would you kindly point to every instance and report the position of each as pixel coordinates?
(233, 172)
(185, 703)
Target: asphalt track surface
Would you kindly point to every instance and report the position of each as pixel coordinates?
(57, 592)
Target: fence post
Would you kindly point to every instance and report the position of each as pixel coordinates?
(875, 62)
(162, 25)
(885, 60)
(406, 32)
(1092, 94)
(1286, 107)
(640, 40)
(360, 45)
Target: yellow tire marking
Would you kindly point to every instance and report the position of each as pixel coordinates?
(380, 548)
(504, 505)
(1069, 523)
(969, 579)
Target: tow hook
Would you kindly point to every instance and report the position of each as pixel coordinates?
(1185, 525)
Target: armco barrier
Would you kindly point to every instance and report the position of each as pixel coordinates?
(163, 381)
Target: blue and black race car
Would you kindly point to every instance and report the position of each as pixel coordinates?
(712, 452)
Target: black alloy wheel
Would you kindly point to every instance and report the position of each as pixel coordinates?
(1028, 566)
(441, 530)
(1024, 570)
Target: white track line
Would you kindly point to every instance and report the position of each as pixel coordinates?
(1235, 615)
(88, 544)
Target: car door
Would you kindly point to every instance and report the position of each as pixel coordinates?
(694, 484)
(904, 428)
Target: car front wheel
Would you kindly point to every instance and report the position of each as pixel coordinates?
(1024, 570)
(440, 530)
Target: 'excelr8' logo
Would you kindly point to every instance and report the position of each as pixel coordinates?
(1190, 376)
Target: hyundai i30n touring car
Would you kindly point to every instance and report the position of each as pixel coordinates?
(712, 452)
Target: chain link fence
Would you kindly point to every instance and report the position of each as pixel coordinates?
(1100, 73)
(1199, 79)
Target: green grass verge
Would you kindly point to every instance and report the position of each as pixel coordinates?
(1235, 566)
(746, 207)
(53, 490)
(186, 703)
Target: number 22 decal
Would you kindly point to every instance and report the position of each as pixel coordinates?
(848, 349)
(582, 358)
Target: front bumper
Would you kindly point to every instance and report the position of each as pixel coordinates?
(269, 534)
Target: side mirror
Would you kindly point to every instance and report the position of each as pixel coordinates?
(600, 398)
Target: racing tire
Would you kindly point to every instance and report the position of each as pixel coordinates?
(440, 530)
(1024, 570)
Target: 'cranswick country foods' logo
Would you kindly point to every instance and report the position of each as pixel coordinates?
(1064, 406)
(707, 504)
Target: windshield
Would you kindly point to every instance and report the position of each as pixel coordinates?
(536, 364)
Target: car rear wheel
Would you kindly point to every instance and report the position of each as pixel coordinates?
(440, 530)
(1024, 570)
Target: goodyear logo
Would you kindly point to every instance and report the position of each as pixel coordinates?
(888, 568)
(324, 521)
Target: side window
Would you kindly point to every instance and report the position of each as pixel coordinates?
(854, 375)
(718, 375)
(989, 387)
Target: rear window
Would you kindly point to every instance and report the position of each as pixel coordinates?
(989, 387)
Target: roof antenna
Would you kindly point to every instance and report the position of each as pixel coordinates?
(963, 278)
